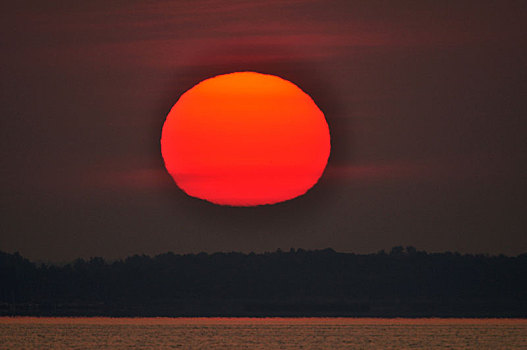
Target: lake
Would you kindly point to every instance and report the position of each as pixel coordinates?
(261, 333)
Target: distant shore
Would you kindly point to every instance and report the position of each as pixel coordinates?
(243, 308)
(402, 283)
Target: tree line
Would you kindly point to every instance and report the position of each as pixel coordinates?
(401, 282)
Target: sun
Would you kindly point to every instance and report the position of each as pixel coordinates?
(245, 139)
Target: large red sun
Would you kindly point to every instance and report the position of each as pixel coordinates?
(245, 139)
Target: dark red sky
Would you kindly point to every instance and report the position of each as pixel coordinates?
(426, 103)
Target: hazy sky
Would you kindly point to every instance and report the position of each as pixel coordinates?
(426, 103)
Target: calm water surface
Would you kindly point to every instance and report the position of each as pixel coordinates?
(261, 333)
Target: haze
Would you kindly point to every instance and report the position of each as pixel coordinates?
(425, 102)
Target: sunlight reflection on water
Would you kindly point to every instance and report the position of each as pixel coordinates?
(261, 333)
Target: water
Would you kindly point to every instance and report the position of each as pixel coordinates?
(261, 333)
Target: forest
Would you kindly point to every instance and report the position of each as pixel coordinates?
(403, 282)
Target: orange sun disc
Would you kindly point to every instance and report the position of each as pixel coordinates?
(245, 139)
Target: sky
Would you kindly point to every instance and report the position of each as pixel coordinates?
(425, 101)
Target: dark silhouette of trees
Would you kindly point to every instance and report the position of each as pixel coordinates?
(404, 282)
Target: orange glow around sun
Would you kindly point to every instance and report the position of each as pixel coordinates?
(245, 139)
